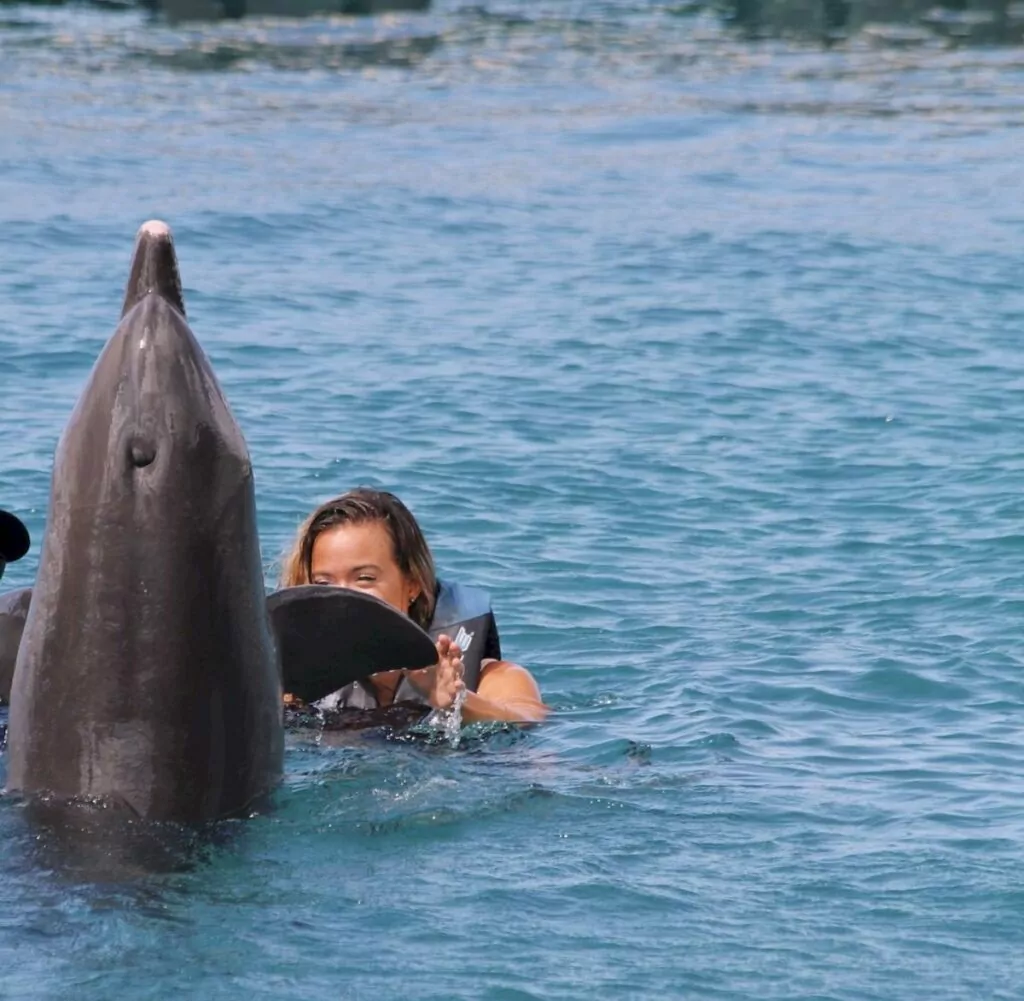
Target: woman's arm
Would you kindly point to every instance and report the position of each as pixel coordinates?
(506, 693)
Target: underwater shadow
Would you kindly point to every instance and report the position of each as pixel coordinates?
(87, 843)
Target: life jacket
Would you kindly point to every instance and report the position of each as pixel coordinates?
(463, 614)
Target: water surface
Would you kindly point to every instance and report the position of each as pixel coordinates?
(703, 355)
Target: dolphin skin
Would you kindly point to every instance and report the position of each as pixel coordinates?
(146, 676)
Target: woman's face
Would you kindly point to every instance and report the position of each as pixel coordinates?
(362, 557)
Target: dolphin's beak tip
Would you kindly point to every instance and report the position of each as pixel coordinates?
(156, 229)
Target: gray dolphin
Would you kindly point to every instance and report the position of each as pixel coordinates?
(14, 544)
(146, 675)
(13, 612)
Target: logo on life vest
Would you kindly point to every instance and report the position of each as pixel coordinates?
(463, 639)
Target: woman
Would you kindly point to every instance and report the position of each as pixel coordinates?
(369, 541)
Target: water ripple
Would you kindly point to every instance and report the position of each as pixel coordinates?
(702, 354)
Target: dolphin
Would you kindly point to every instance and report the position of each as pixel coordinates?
(146, 677)
(14, 539)
(14, 544)
(13, 612)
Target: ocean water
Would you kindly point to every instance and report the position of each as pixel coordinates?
(704, 355)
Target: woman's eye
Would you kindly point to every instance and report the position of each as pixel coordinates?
(364, 578)
(320, 580)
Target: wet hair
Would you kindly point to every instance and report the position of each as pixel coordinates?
(358, 507)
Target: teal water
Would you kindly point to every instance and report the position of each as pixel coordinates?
(704, 356)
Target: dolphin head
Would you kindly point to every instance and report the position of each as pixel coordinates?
(153, 408)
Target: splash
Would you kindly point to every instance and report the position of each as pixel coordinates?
(448, 722)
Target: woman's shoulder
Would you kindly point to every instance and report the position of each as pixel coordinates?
(457, 601)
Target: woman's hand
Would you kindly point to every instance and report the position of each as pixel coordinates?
(440, 684)
(447, 681)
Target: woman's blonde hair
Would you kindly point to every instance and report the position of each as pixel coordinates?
(359, 506)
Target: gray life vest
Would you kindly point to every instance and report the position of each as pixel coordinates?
(463, 614)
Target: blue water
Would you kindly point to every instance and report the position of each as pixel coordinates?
(704, 356)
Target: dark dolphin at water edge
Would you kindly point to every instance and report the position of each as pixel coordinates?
(14, 539)
(13, 612)
(14, 544)
(147, 675)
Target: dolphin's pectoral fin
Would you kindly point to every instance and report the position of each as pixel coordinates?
(328, 637)
(13, 610)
